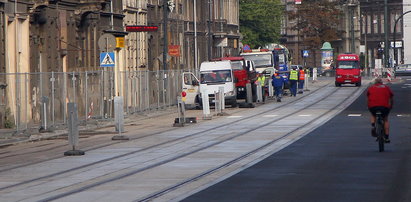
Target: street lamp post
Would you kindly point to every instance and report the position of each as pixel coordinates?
(386, 32)
(364, 26)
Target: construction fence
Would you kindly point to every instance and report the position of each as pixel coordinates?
(39, 100)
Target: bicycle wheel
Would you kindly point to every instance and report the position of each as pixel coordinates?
(381, 144)
(380, 134)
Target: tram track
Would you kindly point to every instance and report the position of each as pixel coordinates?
(213, 142)
(126, 174)
(151, 146)
(31, 152)
(233, 161)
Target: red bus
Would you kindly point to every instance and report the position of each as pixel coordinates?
(348, 70)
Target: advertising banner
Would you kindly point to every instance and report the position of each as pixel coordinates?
(174, 50)
(326, 59)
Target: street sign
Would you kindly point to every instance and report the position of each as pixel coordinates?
(107, 59)
(119, 42)
(305, 53)
(174, 50)
(107, 43)
(246, 47)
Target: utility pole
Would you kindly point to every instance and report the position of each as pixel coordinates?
(386, 32)
(165, 41)
(365, 23)
(195, 36)
(351, 6)
(209, 30)
(352, 29)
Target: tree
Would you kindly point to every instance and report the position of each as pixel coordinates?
(260, 21)
(317, 22)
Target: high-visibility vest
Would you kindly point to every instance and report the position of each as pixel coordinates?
(307, 71)
(302, 75)
(293, 75)
(261, 79)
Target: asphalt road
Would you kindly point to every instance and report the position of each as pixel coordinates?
(338, 161)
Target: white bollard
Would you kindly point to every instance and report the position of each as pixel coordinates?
(270, 88)
(119, 118)
(73, 132)
(306, 82)
(206, 105)
(259, 93)
(222, 98)
(314, 74)
(217, 102)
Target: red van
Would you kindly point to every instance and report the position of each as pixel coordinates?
(348, 70)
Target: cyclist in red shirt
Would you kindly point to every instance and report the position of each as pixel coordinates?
(380, 98)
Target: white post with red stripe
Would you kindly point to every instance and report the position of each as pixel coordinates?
(390, 74)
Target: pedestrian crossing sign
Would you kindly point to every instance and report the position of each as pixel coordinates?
(107, 59)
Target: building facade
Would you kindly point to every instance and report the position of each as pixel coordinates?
(373, 31)
(51, 49)
(216, 32)
(40, 36)
(349, 28)
(405, 24)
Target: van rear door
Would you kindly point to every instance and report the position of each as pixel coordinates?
(190, 87)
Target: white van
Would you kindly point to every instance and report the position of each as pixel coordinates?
(213, 75)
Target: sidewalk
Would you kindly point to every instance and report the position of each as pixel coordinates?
(152, 121)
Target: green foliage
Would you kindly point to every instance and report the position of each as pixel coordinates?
(8, 123)
(260, 21)
(317, 22)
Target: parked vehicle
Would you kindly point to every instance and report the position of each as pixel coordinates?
(348, 70)
(244, 72)
(281, 57)
(213, 75)
(403, 69)
(262, 58)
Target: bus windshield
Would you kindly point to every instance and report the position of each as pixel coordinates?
(217, 76)
(348, 65)
(260, 60)
(281, 56)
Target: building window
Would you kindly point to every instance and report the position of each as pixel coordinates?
(180, 9)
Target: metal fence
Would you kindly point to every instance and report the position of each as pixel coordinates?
(39, 100)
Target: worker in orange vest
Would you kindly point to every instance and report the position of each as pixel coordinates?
(301, 78)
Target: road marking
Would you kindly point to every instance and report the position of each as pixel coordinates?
(233, 117)
(403, 115)
(304, 115)
(270, 115)
(354, 115)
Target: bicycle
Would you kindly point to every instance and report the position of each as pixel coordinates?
(379, 130)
